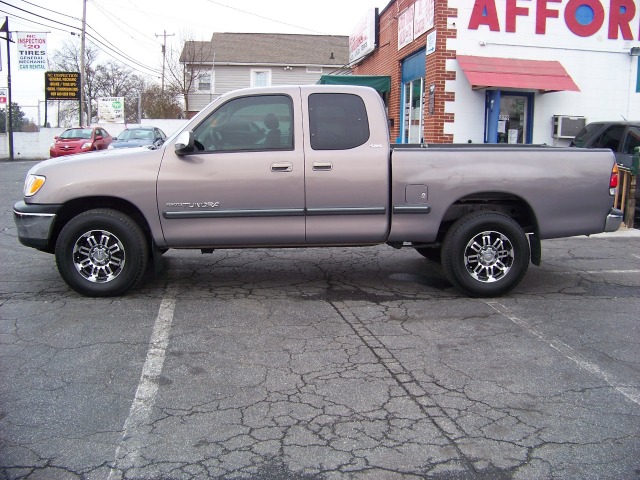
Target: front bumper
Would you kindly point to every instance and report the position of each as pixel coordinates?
(35, 223)
(614, 220)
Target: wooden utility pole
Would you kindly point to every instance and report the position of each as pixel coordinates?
(164, 52)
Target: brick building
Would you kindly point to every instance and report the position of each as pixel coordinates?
(501, 71)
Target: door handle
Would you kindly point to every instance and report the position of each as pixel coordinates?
(323, 166)
(281, 167)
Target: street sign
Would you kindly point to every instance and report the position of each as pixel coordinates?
(62, 85)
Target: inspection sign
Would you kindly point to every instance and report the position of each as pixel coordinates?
(32, 51)
(62, 85)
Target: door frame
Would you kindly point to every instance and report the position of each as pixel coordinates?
(492, 113)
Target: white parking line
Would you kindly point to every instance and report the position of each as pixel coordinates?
(632, 393)
(128, 451)
(602, 272)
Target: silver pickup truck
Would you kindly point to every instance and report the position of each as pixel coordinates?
(310, 166)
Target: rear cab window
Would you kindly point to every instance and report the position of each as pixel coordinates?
(337, 121)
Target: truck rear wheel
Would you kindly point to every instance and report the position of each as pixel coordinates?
(101, 253)
(485, 254)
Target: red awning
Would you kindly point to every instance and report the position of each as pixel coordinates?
(542, 75)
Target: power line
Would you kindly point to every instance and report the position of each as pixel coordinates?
(110, 47)
(263, 17)
(118, 22)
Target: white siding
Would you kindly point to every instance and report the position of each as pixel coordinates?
(601, 67)
(232, 77)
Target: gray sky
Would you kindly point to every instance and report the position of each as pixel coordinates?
(131, 31)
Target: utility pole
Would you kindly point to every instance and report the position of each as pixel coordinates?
(82, 46)
(9, 121)
(164, 53)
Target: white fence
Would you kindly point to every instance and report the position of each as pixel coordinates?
(35, 145)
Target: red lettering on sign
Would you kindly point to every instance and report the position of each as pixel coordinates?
(512, 11)
(484, 13)
(619, 19)
(570, 17)
(542, 13)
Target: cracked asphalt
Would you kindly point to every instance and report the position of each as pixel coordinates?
(320, 364)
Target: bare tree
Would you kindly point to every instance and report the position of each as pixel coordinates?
(114, 79)
(159, 104)
(67, 59)
(186, 68)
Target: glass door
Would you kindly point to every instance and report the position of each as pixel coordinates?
(412, 127)
(512, 120)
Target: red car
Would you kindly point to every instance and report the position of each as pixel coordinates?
(80, 140)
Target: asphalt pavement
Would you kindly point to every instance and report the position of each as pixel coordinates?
(333, 363)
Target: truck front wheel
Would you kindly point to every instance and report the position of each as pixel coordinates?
(101, 253)
(485, 254)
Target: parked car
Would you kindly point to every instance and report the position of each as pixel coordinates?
(621, 137)
(80, 140)
(151, 137)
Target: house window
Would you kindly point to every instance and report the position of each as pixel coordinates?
(314, 69)
(260, 78)
(204, 82)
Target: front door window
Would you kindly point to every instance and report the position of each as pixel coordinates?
(512, 122)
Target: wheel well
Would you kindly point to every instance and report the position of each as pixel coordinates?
(507, 204)
(79, 205)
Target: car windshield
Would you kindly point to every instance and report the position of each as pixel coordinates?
(136, 134)
(76, 133)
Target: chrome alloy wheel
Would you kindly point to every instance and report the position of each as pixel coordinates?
(99, 256)
(488, 256)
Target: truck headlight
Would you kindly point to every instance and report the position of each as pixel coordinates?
(32, 184)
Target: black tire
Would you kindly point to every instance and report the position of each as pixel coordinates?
(485, 254)
(102, 253)
(432, 254)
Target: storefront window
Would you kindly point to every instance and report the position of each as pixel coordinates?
(413, 113)
(413, 74)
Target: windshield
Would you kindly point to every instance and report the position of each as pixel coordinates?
(75, 133)
(136, 134)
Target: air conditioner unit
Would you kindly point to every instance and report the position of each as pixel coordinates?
(565, 126)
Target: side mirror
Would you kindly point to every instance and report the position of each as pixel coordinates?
(185, 143)
(98, 137)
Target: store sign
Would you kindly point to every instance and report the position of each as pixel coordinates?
(431, 42)
(583, 18)
(414, 21)
(62, 85)
(111, 110)
(32, 51)
(362, 40)
(405, 27)
(422, 17)
(4, 96)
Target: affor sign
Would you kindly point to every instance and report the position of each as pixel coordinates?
(583, 18)
(32, 51)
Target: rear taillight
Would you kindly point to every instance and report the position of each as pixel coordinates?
(613, 181)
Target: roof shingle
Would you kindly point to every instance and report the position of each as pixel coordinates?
(269, 48)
